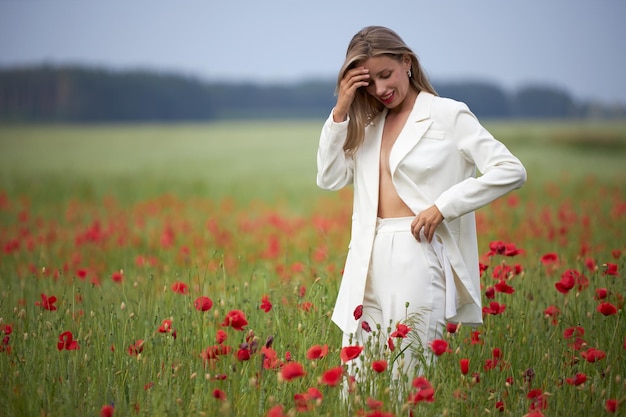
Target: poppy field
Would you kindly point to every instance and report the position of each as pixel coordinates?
(192, 270)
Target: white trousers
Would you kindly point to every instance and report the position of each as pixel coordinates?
(405, 285)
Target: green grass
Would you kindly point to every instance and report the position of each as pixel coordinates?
(232, 211)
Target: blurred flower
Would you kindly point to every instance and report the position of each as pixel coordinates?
(292, 370)
(379, 366)
(117, 276)
(350, 352)
(180, 287)
(235, 319)
(358, 312)
(610, 269)
(567, 281)
(366, 326)
(503, 248)
(401, 331)
(135, 348)
(494, 308)
(220, 336)
(107, 411)
(316, 352)
(503, 287)
(601, 293)
(578, 379)
(266, 305)
(538, 400)
(607, 309)
(276, 411)
(425, 391)
(464, 364)
(332, 377)
(67, 342)
(611, 405)
(203, 303)
(451, 327)
(47, 303)
(593, 355)
(218, 394)
(439, 347)
(166, 326)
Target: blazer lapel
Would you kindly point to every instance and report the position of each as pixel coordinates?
(416, 125)
(370, 155)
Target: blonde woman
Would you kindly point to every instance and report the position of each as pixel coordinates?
(413, 159)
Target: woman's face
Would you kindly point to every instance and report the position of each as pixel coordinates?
(389, 81)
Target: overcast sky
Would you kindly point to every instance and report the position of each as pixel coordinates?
(575, 45)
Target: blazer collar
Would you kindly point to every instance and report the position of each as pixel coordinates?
(416, 125)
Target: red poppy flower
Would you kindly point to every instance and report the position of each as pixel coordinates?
(610, 269)
(601, 293)
(425, 391)
(567, 282)
(218, 394)
(235, 319)
(464, 364)
(316, 352)
(503, 287)
(358, 312)
(607, 309)
(591, 265)
(379, 366)
(47, 303)
(350, 352)
(332, 377)
(243, 354)
(475, 338)
(166, 326)
(266, 305)
(390, 344)
(366, 326)
(538, 401)
(292, 370)
(401, 331)
(439, 347)
(593, 354)
(494, 308)
(451, 327)
(180, 287)
(611, 405)
(203, 303)
(117, 276)
(67, 342)
(374, 404)
(503, 248)
(276, 411)
(578, 379)
(549, 258)
(107, 411)
(220, 336)
(490, 293)
(270, 358)
(136, 348)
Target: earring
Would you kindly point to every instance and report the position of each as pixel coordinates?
(409, 73)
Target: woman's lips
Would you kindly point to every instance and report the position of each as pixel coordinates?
(387, 99)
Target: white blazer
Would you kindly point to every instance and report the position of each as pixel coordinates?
(433, 161)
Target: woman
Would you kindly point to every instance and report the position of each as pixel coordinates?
(412, 158)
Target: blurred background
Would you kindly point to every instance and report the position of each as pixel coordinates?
(71, 61)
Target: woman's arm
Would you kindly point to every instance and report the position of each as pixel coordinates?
(335, 170)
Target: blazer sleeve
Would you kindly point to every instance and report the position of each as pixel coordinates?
(501, 170)
(335, 169)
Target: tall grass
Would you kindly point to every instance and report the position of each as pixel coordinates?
(128, 225)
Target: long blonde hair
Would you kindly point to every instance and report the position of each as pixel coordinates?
(370, 42)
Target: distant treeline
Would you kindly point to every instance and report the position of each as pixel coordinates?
(77, 94)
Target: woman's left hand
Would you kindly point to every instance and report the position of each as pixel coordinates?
(428, 219)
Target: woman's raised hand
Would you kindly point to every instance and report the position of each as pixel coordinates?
(351, 81)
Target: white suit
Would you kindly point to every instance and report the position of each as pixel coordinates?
(434, 160)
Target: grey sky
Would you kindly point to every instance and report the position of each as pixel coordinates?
(576, 45)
